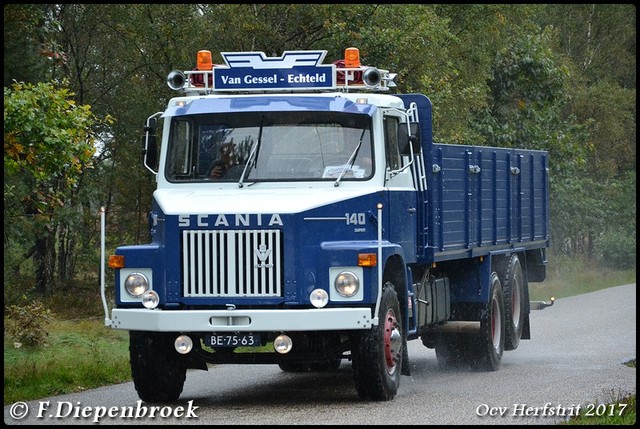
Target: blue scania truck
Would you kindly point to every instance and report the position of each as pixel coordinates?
(305, 218)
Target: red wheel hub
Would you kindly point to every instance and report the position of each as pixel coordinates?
(392, 342)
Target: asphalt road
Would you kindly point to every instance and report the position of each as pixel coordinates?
(573, 361)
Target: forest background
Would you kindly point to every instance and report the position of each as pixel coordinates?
(80, 81)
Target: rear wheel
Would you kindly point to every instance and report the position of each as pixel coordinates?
(514, 302)
(157, 369)
(486, 348)
(377, 354)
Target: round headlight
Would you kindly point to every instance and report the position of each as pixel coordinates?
(347, 284)
(136, 284)
(319, 298)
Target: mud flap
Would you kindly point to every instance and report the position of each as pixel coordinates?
(405, 370)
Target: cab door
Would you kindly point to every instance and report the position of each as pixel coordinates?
(401, 214)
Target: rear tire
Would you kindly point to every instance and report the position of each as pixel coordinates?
(486, 348)
(157, 369)
(514, 302)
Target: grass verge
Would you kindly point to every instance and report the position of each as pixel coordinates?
(570, 276)
(78, 355)
(620, 410)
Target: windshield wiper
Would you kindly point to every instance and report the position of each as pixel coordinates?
(351, 160)
(252, 161)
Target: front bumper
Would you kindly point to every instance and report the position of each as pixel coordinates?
(325, 319)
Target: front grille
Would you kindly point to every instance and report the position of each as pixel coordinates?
(232, 263)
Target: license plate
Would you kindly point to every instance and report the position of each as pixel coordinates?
(233, 340)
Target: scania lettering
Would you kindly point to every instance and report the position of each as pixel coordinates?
(226, 220)
(304, 217)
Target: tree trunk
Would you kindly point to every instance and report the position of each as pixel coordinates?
(66, 255)
(44, 258)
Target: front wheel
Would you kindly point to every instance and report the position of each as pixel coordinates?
(377, 354)
(158, 371)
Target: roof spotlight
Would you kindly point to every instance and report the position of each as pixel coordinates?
(176, 80)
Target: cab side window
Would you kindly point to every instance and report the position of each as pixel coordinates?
(179, 163)
(392, 150)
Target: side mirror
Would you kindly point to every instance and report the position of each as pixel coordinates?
(150, 152)
(408, 141)
(150, 145)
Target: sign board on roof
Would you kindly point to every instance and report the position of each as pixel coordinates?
(247, 71)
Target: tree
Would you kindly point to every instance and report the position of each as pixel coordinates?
(30, 51)
(600, 39)
(527, 104)
(48, 145)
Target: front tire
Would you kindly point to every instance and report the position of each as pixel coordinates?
(377, 354)
(157, 369)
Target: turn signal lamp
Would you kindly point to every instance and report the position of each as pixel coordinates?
(116, 261)
(204, 61)
(352, 58)
(367, 259)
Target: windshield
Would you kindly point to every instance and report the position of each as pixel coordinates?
(277, 146)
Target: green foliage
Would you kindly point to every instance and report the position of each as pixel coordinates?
(528, 97)
(610, 111)
(30, 49)
(48, 146)
(27, 323)
(596, 218)
(616, 245)
(578, 212)
(617, 249)
(599, 39)
(46, 134)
